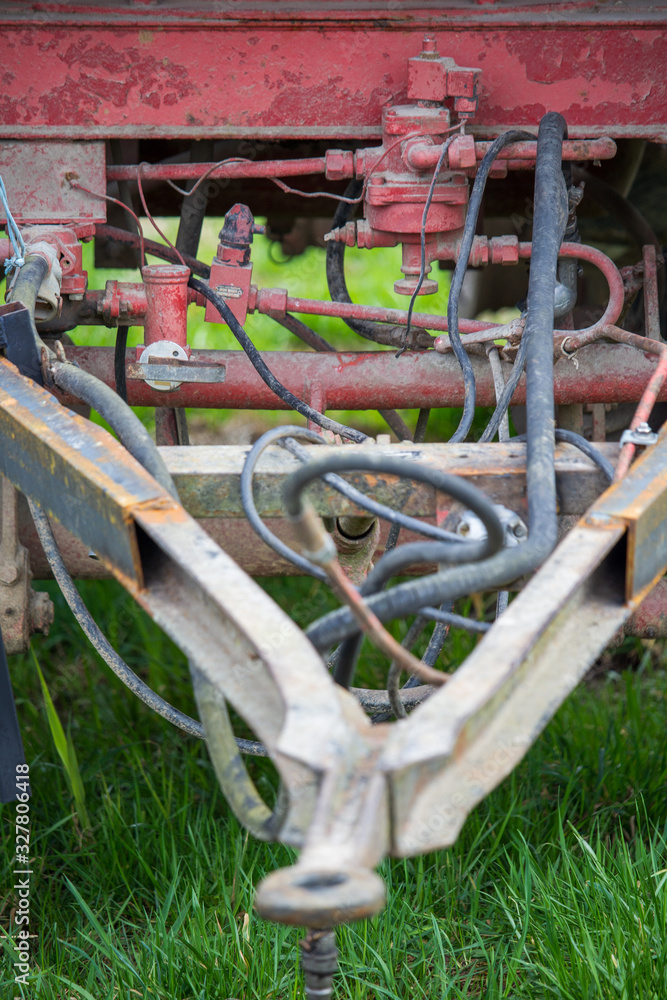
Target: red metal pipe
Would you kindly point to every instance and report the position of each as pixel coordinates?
(425, 157)
(379, 380)
(225, 169)
(651, 392)
(580, 251)
(276, 301)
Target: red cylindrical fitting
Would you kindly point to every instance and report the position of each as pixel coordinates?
(272, 302)
(166, 303)
(124, 302)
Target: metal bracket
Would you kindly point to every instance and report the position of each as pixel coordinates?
(642, 436)
(168, 373)
(352, 792)
(22, 610)
(19, 342)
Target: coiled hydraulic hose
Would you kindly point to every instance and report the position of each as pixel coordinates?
(414, 553)
(289, 434)
(398, 559)
(380, 333)
(550, 219)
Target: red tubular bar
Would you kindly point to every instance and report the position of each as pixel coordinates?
(581, 251)
(270, 302)
(228, 169)
(266, 304)
(426, 157)
(652, 391)
(379, 380)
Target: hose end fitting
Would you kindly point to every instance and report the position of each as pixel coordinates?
(317, 543)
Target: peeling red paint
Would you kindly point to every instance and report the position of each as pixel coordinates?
(276, 81)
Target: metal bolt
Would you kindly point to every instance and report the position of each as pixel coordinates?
(429, 47)
(9, 573)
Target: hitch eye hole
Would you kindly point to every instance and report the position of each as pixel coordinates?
(315, 882)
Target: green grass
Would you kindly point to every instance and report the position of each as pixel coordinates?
(556, 887)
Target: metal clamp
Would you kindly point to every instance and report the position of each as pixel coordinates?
(165, 366)
(642, 435)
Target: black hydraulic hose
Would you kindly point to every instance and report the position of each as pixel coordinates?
(586, 447)
(505, 397)
(130, 430)
(26, 289)
(335, 267)
(290, 435)
(448, 618)
(459, 274)
(248, 502)
(104, 648)
(398, 559)
(437, 640)
(120, 348)
(265, 373)
(550, 219)
(29, 280)
(308, 336)
(97, 638)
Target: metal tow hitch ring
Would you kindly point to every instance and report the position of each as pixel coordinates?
(353, 793)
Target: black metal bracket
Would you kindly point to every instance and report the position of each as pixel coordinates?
(11, 744)
(17, 341)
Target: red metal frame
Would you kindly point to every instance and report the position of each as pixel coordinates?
(164, 70)
(379, 380)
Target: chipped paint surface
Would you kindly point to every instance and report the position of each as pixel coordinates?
(134, 80)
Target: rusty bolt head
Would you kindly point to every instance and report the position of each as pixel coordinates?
(9, 573)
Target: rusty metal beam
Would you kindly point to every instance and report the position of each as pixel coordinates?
(96, 481)
(207, 478)
(606, 373)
